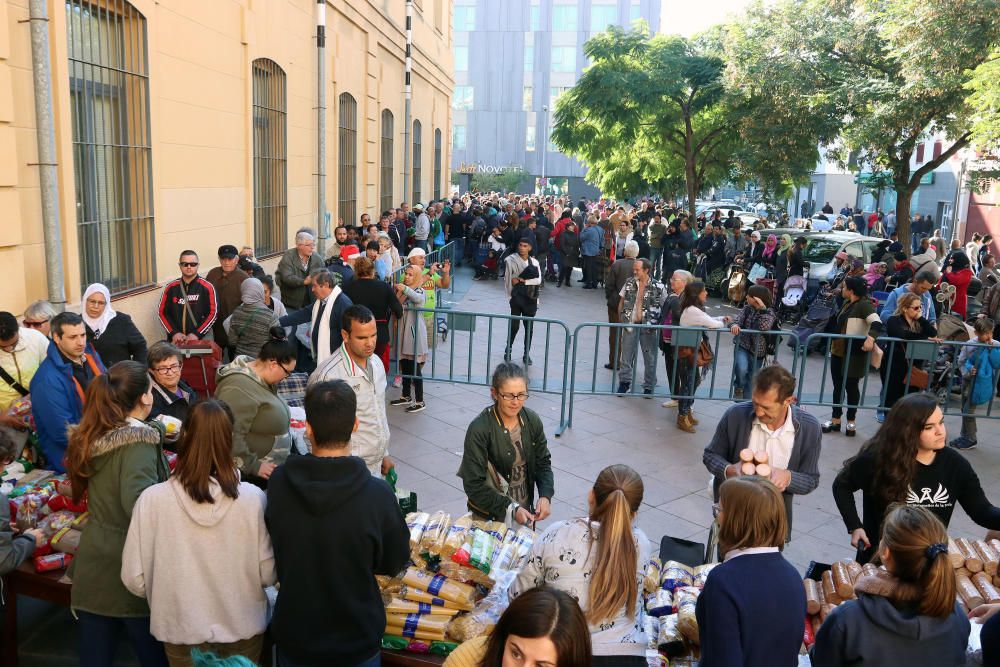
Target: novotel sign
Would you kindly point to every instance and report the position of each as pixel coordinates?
(479, 168)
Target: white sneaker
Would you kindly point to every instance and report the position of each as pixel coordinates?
(397, 381)
(670, 404)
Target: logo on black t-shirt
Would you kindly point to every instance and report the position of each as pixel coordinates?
(939, 499)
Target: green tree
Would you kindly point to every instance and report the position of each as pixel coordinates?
(647, 107)
(887, 74)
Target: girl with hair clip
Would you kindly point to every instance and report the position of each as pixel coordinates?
(599, 561)
(753, 607)
(908, 462)
(113, 456)
(204, 508)
(906, 614)
(544, 627)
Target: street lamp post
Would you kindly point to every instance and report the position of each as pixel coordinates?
(545, 141)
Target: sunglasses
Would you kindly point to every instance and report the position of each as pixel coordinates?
(34, 325)
(188, 265)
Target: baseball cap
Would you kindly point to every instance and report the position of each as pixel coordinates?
(418, 207)
(416, 252)
(228, 252)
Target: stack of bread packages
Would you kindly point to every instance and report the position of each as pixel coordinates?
(976, 563)
(754, 463)
(671, 593)
(836, 585)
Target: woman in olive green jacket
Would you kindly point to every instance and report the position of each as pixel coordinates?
(507, 456)
(114, 456)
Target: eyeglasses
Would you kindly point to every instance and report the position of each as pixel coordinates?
(188, 265)
(917, 307)
(34, 325)
(288, 373)
(515, 397)
(172, 368)
(94, 302)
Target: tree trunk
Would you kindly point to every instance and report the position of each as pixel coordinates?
(903, 196)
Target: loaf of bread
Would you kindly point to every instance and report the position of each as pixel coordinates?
(989, 555)
(973, 563)
(812, 596)
(985, 586)
(829, 589)
(968, 592)
(842, 580)
(954, 555)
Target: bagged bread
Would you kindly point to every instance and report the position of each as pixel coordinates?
(503, 556)
(669, 639)
(416, 522)
(700, 575)
(525, 540)
(660, 603)
(651, 580)
(440, 586)
(481, 620)
(455, 536)
(398, 606)
(435, 531)
(685, 600)
(483, 547)
(417, 595)
(416, 626)
(675, 575)
(66, 540)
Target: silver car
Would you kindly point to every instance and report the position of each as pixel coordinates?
(822, 247)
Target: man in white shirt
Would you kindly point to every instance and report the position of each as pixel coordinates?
(522, 279)
(356, 363)
(22, 351)
(421, 227)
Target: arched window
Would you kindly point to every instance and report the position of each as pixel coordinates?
(437, 163)
(348, 181)
(270, 158)
(112, 157)
(385, 200)
(417, 159)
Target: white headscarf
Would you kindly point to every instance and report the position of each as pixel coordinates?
(98, 324)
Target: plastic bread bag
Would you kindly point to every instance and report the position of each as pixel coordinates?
(66, 540)
(56, 521)
(669, 639)
(482, 550)
(525, 540)
(675, 575)
(686, 600)
(651, 582)
(464, 551)
(463, 573)
(701, 575)
(481, 620)
(455, 536)
(503, 557)
(417, 595)
(495, 528)
(434, 532)
(416, 626)
(416, 522)
(660, 603)
(651, 626)
(439, 586)
(398, 606)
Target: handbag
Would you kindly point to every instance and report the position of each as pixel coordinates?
(758, 271)
(704, 356)
(917, 378)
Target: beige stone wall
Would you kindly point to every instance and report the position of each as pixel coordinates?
(200, 54)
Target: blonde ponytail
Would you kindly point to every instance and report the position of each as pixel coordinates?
(614, 584)
(918, 544)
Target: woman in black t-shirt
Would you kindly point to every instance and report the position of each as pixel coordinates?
(908, 462)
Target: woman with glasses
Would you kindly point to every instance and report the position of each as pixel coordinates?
(37, 316)
(172, 396)
(906, 323)
(113, 334)
(506, 457)
(260, 417)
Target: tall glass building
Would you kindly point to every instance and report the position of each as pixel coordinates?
(513, 58)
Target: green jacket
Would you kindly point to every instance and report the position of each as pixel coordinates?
(488, 440)
(260, 417)
(123, 463)
(290, 277)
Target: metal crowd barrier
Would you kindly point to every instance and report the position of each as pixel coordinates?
(451, 252)
(474, 345)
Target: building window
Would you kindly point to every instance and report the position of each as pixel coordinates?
(461, 59)
(554, 93)
(529, 140)
(464, 18)
(347, 189)
(458, 137)
(463, 98)
(563, 58)
(920, 153)
(385, 200)
(112, 159)
(535, 16)
(601, 16)
(437, 163)
(529, 58)
(528, 98)
(270, 175)
(417, 161)
(564, 18)
(634, 12)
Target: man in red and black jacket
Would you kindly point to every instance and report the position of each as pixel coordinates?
(189, 305)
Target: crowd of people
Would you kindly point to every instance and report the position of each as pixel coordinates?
(244, 508)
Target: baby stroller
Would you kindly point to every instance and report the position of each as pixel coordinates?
(736, 286)
(793, 301)
(816, 320)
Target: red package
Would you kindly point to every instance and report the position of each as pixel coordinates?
(43, 549)
(463, 555)
(808, 636)
(55, 561)
(60, 502)
(171, 459)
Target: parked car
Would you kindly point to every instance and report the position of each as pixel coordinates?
(822, 247)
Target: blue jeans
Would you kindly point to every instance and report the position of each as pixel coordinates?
(688, 379)
(99, 640)
(745, 366)
(420, 244)
(374, 661)
(654, 258)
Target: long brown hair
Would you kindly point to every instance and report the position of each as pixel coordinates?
(617, 495)
(542, 612)
(917, 543)
(206, 451)
(107, 402)
(753, 514)
(895, 446)
(691, 296)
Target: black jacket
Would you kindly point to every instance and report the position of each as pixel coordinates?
(120, 341)
(203, 303)
(379, 298)
(170, 405)
(326, 552)
(304, 315)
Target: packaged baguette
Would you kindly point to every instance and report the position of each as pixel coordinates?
(669, 639)
(686, 600)
(651, 580)
(440, 586)
(416, 522)
(398, 606)
(417, 595)
(495, 528)
(525, 540)
(455, 537)
(407, 625)
(435, 531)
(503, 557)
(675, 575)
(700, 575)
(660, 603)
(984, 584)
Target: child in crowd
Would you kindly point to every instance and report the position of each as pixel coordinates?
(14, 549)
(979, 372)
